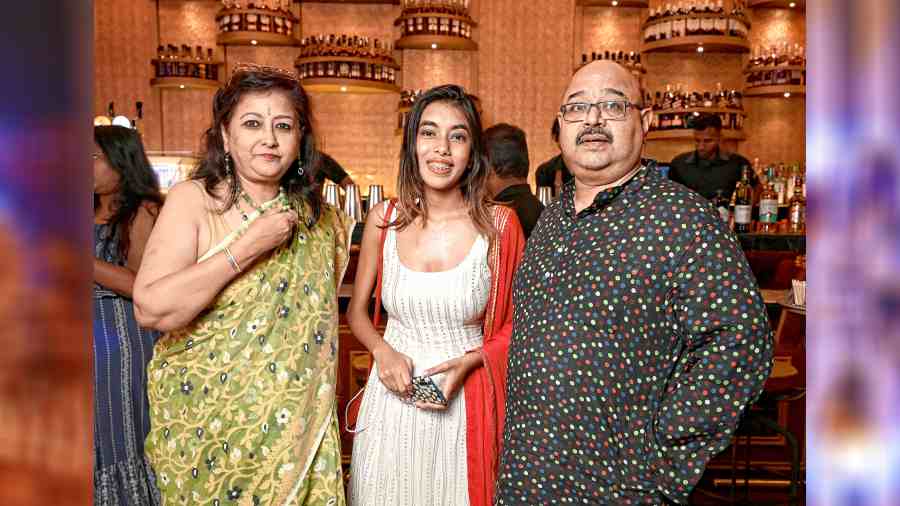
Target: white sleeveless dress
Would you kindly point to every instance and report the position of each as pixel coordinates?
(406, 456)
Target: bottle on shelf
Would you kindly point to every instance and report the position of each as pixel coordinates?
(797, 210)
(743, 203)
(722, 205)
(768, 208)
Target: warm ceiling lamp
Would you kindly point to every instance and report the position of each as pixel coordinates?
(615, 3)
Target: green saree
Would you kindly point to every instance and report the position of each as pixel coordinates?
(242, 401)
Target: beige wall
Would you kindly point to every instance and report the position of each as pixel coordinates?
(527, 51)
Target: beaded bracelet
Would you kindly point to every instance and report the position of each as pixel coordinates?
(232, 260)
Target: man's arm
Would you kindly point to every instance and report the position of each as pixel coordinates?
(725, 359)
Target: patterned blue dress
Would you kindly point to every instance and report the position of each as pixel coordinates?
(121, 414)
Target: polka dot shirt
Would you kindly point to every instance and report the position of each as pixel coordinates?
(639, 338)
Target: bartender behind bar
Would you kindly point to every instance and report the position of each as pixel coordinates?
(709, 168)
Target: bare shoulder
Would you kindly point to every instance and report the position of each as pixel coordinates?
(376, 215)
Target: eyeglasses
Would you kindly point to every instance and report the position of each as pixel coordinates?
(609, 109)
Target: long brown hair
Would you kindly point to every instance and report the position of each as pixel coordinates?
(411, 186)
(255, 79)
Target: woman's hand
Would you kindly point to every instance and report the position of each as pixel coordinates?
(271, 229)
(394, 369)
(457, 370)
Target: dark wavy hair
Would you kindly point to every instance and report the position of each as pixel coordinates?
(138, 183)
(411, 186)
(259, 79)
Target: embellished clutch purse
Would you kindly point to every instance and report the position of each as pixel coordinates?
(424, 389)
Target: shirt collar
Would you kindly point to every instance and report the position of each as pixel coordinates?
(605, 197)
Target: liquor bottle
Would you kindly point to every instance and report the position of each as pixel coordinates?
(721, 204)
(743, 203)
(768, 208)
(797, 209)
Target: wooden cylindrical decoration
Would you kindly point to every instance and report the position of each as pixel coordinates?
(425, 25)
(347, 64)
(261, 26)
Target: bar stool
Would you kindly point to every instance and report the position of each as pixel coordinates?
(785, 384)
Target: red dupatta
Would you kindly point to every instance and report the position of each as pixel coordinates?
(485, 387)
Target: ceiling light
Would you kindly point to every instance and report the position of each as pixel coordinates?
(792, 5)
(181, 86)
(433, 45)
(787, 94)
(343, 88)
(699, 49)
(253, 42)
(615, 3)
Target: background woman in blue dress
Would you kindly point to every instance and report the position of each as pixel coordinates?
(126, 202)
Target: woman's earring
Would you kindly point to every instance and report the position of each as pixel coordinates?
(227, 165)
(300, 170)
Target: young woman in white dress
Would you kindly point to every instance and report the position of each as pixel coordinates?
(447, 258)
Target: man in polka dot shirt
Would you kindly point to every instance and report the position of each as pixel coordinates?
(639, 332)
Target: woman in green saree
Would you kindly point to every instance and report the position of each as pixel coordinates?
(241, 272)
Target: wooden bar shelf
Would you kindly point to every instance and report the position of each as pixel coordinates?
(700, 15)
(184, 82)
(185, 73)
(689, 44)
(773, 68)
(347, 85)
(251, 27)
(436, 42)
(348, 74)
(620, 3)
(687, 134)
(711, 110)
(776, 91)
(427, 29)
(784, 4)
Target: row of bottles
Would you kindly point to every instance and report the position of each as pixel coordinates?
(767, 220)
(455, 7)
(781, 176)
(279, 22)
(425, 24)
(782, 64)
(172, 62)
(357, 46)
(266, 5)
(697, 17)
(675, 108)
(630, 60)
(348, 70)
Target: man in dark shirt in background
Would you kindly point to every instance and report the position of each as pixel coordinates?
(329, 168)
(553, 172)
(507, 155)
(709, 167)
(639, 334)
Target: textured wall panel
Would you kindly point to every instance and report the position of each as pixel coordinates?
(525, 61)
(775, 26)
(124, 43)
(611, 29)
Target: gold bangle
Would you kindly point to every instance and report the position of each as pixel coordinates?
(232, 260)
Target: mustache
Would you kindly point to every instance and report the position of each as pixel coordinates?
(594, 130)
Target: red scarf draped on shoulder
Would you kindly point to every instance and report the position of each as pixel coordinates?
(485, 388)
